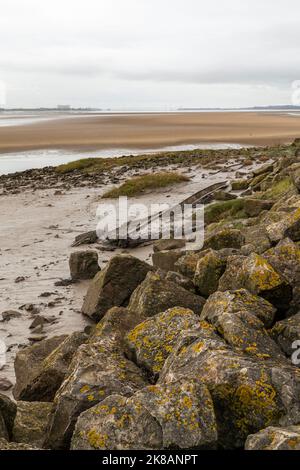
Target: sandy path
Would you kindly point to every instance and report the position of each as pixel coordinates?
(151, 131)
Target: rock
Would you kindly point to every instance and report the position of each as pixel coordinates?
(254, 207)
(5, 384)
(285, 258)
(28, 362)
(248, 395)
(5, 445)
(256, 236)
(155, 295)
(239, 301)
(273, 438)
(166, 260)
(227, 238)
(8, 412)
(287, 227)
(31, 423)
(263, 169)
(209, 270)
(286, 332)
(240, 318)
(88, 238)
(187, 264)
(295, 174)
(166, 245)
(98, 369)
(52, 371)
(38, 321)
(255, 274)
(113, 286)
(182, 281)
(239, 185)
(10, 314)
(179, 416)
(151, 342)
(224, 196)
(83, 265)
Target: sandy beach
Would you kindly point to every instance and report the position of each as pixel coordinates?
(144, 131)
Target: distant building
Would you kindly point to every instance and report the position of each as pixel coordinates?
(63, 107)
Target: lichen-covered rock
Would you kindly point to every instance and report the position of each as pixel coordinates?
(28, 362)
(227, 238)
(98, 370)
(165, 245)
(272, 438)
(241, 300)
(5, 445)
(239, 185)
(156, 295)
(294, 171)
(178, 415)
(83, 265)
(240, 318)
(248, 395)
(53, 370)
(187, 264)
(286, 332)
(8, 412)
(288, 226)
(209, 270)
(181, 280)
(255, 274)
(257, 237)
(285, 259)
(254, 207)
(166, 260)
(113, 286)
(31, 423)
(151, 342)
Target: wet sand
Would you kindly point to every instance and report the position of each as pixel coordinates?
(155, 130)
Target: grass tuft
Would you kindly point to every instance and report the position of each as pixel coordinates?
(224, 210)
(139, 184)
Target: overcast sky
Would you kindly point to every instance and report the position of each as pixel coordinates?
(149, 53)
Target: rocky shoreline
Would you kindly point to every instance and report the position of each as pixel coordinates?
(192, 351)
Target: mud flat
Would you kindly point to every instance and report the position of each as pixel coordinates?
(150, 131)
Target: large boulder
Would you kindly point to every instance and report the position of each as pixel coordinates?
(187, 264)
(227, 238)
(286, 332)
(28, 362)
(166, 260)
(288, 226)
(151, 342)
(209, 270)
(156, 294)
(248, 394)
(8, 412)
(254, 207)
(98, 369)
(83, 265)
(294, 171)
(31, 423)
(113, 286)
(274, 438)
(181, 280)
(240, 319)
(52, 371)
(178, 415)
(255, 274)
